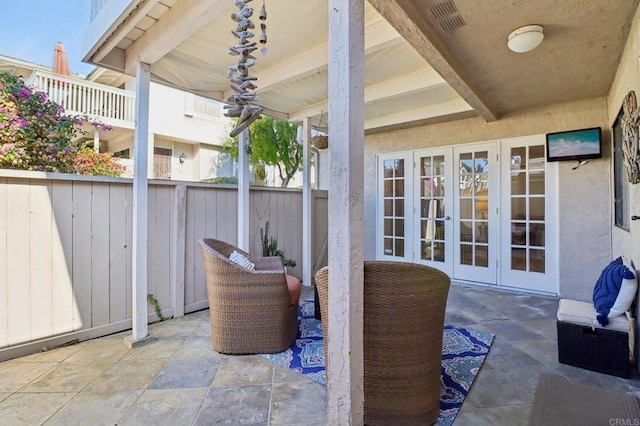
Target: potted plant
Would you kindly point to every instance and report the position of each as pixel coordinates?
(270, 247)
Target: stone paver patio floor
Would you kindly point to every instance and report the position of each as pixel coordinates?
(180, 380)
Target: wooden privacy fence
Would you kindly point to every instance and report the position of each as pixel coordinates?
(65, 250)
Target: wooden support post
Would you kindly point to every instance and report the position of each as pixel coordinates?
(140, 207)
(243, 191)
(345, 377)
(307, 262)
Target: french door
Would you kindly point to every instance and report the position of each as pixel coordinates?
(476, 218)
(433, 209)
(475, 213)
(529, 216)
(394, 189)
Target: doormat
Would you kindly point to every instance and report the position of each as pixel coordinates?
(559, 400)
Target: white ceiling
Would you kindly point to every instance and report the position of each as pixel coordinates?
(415, 70)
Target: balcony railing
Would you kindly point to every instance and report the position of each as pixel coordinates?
(112, 106)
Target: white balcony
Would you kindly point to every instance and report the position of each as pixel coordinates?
(109, 105)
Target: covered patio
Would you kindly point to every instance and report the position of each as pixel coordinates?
(180, 380)
(410, 76)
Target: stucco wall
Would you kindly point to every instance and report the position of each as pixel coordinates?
(171, 115)
(585, 200)
(627, 78)
(212, 162)
(184, 171)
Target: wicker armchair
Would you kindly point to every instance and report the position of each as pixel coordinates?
(404, 307)
(250, 310)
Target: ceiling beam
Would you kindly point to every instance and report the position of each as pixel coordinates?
(451, 107)
(175, 26)
(378, 35)
(404, 17)
(441, 109)
(136, 15)
(419, 81)
(423, 80)
(424, 122)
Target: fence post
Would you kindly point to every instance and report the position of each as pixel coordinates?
(179, 242)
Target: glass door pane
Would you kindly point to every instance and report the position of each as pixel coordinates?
(393, 198)
(473, 219)
(527, 203)
(432, 207)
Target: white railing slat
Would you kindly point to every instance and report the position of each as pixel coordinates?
(100, 102)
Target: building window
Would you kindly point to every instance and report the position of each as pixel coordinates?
(125, 153)
(201, 107)
(206, 106)
(621, 186)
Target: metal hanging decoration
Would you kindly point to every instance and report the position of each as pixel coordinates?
(241, 102)
(263, 36)
(263, 39)
(630, 124)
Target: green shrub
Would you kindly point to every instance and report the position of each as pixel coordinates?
(35, 134)
(89, 162)
(226, 180)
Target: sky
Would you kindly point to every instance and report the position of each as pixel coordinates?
(30, 29)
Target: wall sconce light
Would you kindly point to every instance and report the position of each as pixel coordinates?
(182, 158)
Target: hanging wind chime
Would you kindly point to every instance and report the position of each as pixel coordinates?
(263, 36)
(241, 102)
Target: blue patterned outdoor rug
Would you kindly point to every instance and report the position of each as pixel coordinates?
(463, 352)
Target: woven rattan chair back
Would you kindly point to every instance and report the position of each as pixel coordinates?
(404, 306)
(249, 310)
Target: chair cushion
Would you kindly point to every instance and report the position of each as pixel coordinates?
(294, 289)
(583, 313)
(242, 260)
(616, 280)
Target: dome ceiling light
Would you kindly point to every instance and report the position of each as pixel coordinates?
(525, 39)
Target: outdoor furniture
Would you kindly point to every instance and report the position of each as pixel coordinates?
(584, 343)
(250, 310)
(599, 336)
(404, 305)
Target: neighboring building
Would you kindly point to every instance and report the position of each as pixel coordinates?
(186, 130)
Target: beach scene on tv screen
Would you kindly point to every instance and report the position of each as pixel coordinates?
(582, 142)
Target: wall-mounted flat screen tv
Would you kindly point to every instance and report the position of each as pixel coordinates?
(574, 145)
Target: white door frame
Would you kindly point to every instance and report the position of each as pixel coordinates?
(471, 272)
(405, 203)
(434, 219)
(547, 282)
(498, 271)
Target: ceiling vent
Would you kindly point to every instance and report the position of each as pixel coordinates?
(447, 15)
